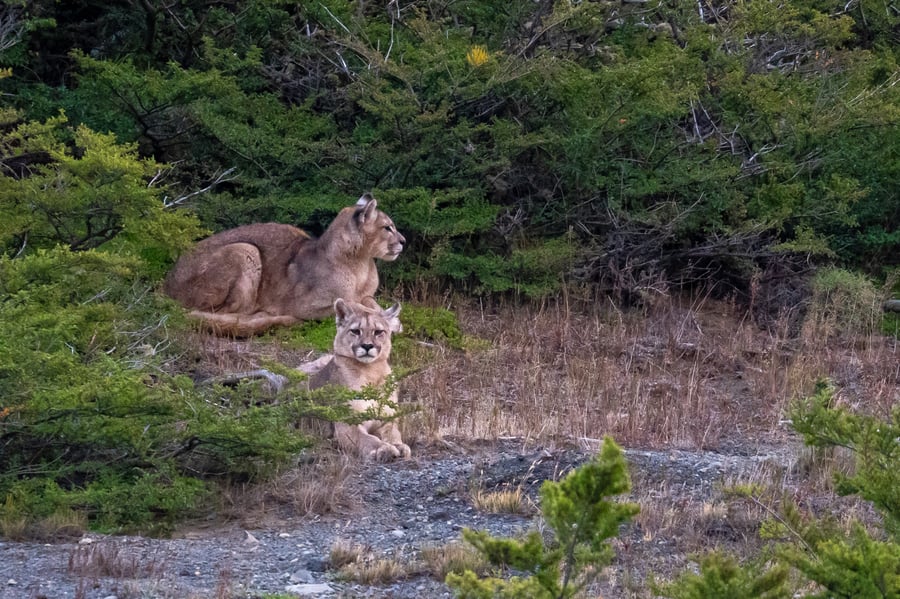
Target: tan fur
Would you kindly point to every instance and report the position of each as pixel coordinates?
(245, 280)
(362, 347)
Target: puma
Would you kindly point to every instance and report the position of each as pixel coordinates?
(362, 347)
(245, 280)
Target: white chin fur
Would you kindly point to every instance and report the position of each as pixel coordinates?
(365, 358)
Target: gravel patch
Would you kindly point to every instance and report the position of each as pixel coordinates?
(401, 508)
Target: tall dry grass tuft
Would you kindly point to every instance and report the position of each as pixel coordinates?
(317, 485)
(111, 559)
(440, 560)
(689, 373)
(359, 563)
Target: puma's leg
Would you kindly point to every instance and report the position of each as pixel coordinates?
(241, 266)
(223, 280)
(241, 325)
(356, 439)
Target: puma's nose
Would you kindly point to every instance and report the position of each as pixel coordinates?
(366, 346)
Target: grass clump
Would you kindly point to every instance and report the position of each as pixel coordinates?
(441, 560)
(843, 303)
(504, 501)
(358, 563)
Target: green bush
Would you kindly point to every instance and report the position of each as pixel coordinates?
(581, 517)
(91, 418)
(863, 564)
(873, 441)
(721, 577)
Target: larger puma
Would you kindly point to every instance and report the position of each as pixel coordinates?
(245, 280)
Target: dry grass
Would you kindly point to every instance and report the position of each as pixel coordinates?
(689, 374)
(64, 522)
(316, 486)
(376, 571)
(13, 525)
(345, 552)
(440, 560)
(111, 559)
(504, 501)
(360, 564)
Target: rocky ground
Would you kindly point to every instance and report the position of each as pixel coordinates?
(396, 510)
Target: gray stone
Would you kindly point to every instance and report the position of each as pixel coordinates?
(309, 590)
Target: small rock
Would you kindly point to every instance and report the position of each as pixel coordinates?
(284, 535)
(302, 576)
(309, 590)
(12, 582)
(398, 533)
(86, 541)
(316, 565)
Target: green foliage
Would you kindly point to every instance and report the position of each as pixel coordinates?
(90, 419)
(890, 324)
(82, 189)
(721, 577)
(578, 117)
(850, 567)
(873, 441)
(318, 334)
(432, 324)
(582, 519)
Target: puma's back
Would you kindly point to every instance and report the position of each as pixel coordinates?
(204, 278)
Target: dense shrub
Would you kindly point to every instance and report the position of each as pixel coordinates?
(692, 143)
(92, 421)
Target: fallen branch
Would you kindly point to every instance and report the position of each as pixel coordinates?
(276, 382)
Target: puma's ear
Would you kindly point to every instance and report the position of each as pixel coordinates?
(369, 302)
(365, 208)
(392, 315)
(341, 311)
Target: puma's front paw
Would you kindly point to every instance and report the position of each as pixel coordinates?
(385, 453)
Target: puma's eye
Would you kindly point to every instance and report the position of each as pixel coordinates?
(388, 228)
(379, 332)
(354, 332)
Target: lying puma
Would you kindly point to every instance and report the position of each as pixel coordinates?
(245, 280)
(362, 347)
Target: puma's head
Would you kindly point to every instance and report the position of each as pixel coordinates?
(364, 331)
(379, 236)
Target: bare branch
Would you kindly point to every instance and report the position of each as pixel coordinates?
(336, 20)
(220, 178)
(11, 27)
